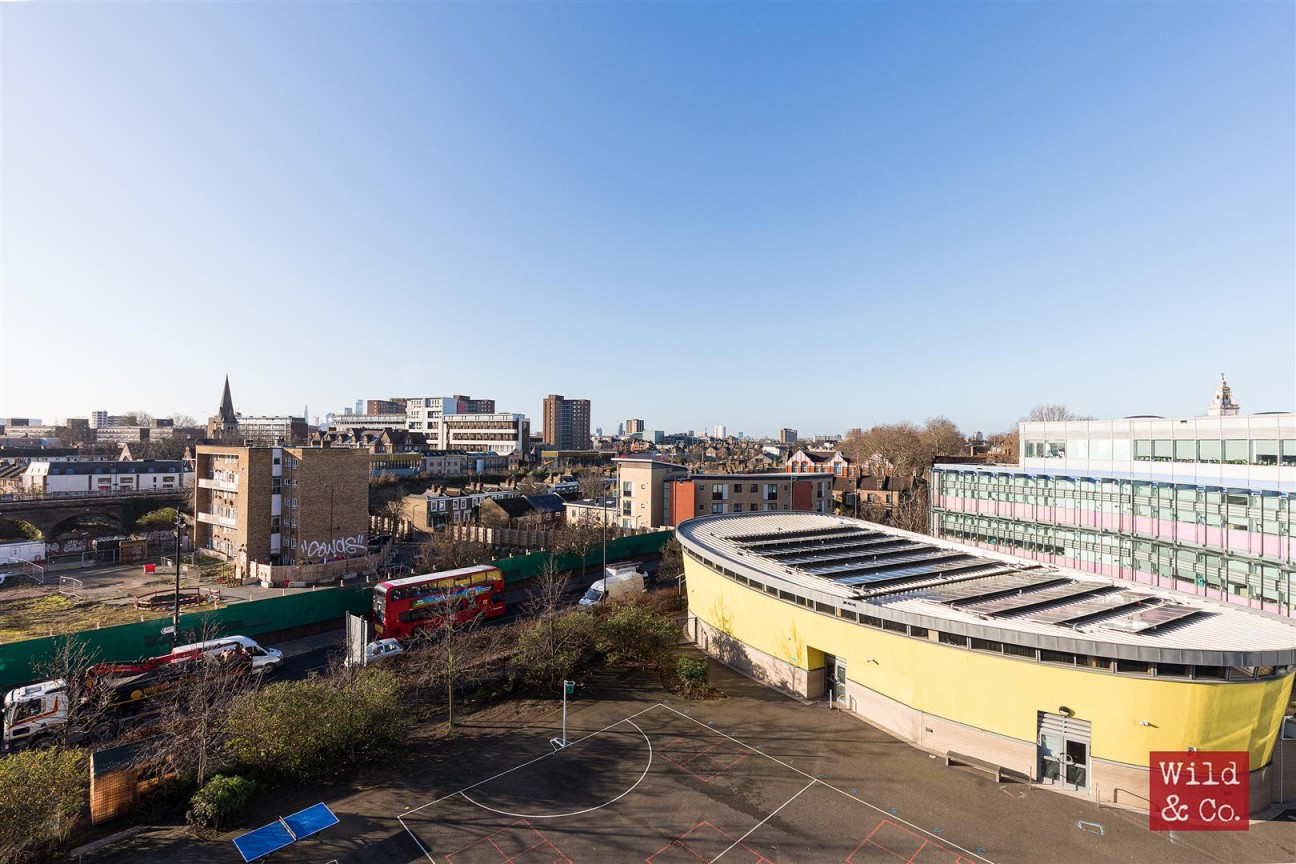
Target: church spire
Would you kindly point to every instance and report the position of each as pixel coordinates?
(226, 412)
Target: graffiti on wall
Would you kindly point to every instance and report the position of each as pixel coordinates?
(342, 547)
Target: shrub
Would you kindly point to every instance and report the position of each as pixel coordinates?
(554, 648)
(157, 520)
(41, 793)
(220, 798)
(304, 729)
(634, 635)
(694, 674)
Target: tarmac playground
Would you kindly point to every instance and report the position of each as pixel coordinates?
(664, 788)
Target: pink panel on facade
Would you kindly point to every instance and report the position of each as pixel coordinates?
(1145, 578)
(1214, 537)
(1109, 521)
(1066, 516)
(1239, 541)
(1143, 525)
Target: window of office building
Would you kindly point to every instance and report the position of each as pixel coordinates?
(1185, 450)
(1264, 452)
(1161, 450)
(1056, 450)
(1236, 451)
(1288, 457)
(1209, 451)
(1143, 451)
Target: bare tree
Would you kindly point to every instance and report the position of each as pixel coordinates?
(137, 418)
(184, 420)
(592, 484)
(445, 651)
(672, 560)
(556, 640)
(71, 663)
(196, 716)
(575, 539)
(445, 552)
(911, 511)
(1051, 413)
(942, 438)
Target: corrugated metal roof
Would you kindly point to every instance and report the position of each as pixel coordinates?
(1195, 624)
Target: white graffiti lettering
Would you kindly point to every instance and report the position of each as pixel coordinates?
(340, 548)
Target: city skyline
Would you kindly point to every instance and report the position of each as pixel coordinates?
(997, 206)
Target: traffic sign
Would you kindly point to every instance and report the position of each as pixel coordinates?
(168, 629)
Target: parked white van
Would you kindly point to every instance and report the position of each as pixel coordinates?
(622, 581)
(263, 659)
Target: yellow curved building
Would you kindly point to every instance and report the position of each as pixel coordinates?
(1062, 677)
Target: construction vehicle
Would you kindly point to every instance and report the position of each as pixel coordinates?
(114, 695)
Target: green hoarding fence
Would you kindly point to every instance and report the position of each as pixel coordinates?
(523, 567)
(19, 660)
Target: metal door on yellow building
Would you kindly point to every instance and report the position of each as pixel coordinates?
(1064, 745)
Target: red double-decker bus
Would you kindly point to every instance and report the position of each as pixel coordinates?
(403, 606)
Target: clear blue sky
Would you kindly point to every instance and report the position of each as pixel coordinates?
(760, 215)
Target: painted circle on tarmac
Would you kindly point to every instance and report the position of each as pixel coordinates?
(586, 809)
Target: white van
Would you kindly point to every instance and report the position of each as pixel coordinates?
(263, 659)
(617, 582)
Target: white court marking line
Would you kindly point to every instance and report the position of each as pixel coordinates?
(766, 819)
(528, 762)
(401, 818)
(587, 809)
(885, 813)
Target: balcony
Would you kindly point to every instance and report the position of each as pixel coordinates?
(213, 519)
(222, 485)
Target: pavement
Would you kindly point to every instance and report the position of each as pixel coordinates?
(753, 777)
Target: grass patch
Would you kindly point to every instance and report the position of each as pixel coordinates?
(32, 617)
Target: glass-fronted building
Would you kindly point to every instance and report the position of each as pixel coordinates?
(1202, 504)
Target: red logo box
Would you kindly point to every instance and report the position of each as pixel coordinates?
(1199, 791)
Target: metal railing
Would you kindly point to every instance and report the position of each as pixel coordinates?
(8, 497)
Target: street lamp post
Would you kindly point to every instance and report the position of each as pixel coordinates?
(175, 615)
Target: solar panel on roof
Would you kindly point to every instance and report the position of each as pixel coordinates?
(985, 588)
(1150, 619)
(752, 540)
(881, 563)
(1026, 600)
(778, 554)
(938, 573)
(899, 553)
(1089, 607)
(921, 587)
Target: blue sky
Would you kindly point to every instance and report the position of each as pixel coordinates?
(760, 215)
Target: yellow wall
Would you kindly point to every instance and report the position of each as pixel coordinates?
(997, 693)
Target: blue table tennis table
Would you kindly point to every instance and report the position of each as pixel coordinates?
(285, 831)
